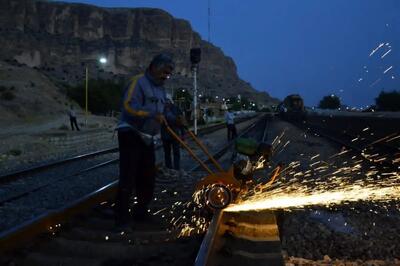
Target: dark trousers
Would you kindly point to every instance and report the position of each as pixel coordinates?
(73, 122)
(231, 131)
(169, 144)
(137, 170)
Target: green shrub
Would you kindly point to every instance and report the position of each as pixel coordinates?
(103, 95)
(388, 101)
(330, 102)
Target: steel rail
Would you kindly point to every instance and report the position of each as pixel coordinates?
(20, 195)
(8, 177)
(18, 174)
(241, 238)
(321, 131)
(20, 235)
(241, 228)
(368, 141)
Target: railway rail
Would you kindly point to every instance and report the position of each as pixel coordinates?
(379, 149)
(244, 238)
(359, 141)
(89, 239)
(69, 162)
(29, 196)
(250, 238)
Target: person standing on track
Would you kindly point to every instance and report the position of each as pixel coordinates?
(230, 124)
(72, 118)
(141, 118)
(174, 118)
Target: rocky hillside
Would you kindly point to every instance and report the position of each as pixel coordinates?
(26, 95)
(59, 40)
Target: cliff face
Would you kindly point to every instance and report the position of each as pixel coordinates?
(61, 39)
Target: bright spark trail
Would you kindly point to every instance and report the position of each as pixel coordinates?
(375, 82)
(335, 183)
(284, 199)
(385, 54)
(332, 182)
(376, 49)
(389, 68)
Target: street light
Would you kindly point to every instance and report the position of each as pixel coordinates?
(103, 61)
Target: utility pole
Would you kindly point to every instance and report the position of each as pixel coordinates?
(195, 57)
(195, 98)
(209, 21)
(86, 95)
(207, 88)
(103, 61)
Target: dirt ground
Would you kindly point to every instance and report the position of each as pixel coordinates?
(26, 144)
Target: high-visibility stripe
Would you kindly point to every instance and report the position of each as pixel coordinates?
(128, 99)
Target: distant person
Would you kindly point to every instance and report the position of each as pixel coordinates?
(141, 119)
(230, 124)
(174, 117)
(72, 118)
(205, 118)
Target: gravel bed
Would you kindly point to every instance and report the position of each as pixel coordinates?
(149, 244)
(16, 163)
(357, 233)
(48, 176)
(54, 196)
(352, 232)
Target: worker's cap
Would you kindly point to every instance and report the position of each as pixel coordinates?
(162, 60)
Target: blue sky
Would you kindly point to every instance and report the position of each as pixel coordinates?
(311, 47)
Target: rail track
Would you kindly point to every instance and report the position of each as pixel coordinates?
(244, 238)
(19, 184)
(28, 195)
(250, 238)
(74, 161)
(89, 239)
(377, 146)
(362, 142)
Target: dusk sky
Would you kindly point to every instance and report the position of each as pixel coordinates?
(311, 47)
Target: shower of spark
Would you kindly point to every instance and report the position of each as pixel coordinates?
(261, 162)
(376, 49)
(375, 82)
(339, 181)
(389, 68)
(385, 54)
(287, 198)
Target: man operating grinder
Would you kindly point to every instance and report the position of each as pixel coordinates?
(141, 119)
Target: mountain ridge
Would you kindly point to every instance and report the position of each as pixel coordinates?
(61, 39)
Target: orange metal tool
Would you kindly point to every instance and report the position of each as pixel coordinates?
(220, 176)
(220, 186)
